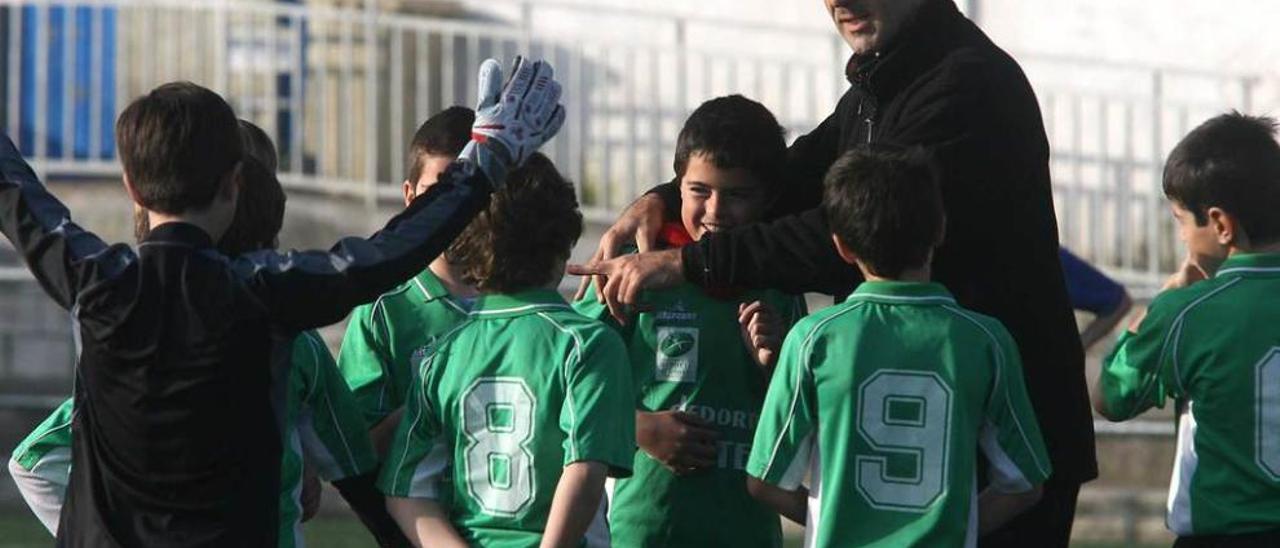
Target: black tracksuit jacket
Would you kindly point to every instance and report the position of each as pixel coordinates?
(179, 393)
(944, 86)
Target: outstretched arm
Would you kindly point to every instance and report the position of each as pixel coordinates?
(65, 258)
(312, 289)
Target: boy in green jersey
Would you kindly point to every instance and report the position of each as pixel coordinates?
(386, 339)
(701, 360)
(526, 406)
(887, 399)
(323, 424)
(1209, 340)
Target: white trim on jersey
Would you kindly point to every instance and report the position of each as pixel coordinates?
(999, 373)
(1247, 269)
(805, 350)
(597, 535)
(906, 299)
(44, 487)
(427, 474)
(1005, 475)
(971, 533)
(574, 357)
(794, 474)
(1184, 471)
(525, 308)
(813, 517)
(1176, 333)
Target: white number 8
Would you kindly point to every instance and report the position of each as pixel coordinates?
(498, 422)
(906, 414)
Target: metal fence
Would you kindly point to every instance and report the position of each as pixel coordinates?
(341, 90)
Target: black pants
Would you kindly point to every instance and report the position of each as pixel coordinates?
(1045, 525)
(1264, 539)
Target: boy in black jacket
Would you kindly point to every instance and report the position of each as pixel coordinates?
(174, 373)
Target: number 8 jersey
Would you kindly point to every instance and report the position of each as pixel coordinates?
(523, 388)
(884, 402)
(1214, 346)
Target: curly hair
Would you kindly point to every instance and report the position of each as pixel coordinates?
(522, 240)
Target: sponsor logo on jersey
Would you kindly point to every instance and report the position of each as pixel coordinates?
(677, 354)
(678, 312)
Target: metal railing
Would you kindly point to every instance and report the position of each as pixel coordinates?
(341, 90)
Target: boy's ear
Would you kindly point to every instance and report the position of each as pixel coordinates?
(1226, 228)
(229, 188)
(133, 192)
(408, 189)
(846, 254)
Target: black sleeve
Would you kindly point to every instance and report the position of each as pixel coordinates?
(309, 289)
(64, 258)
(793, 254)
(371, 507)
(807, 162)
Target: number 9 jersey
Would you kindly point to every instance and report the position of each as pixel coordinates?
(885, 401)
(523, 388)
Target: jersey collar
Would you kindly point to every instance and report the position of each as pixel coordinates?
(430, 286)
(1250, 263)
(499, 305)
(903, 293)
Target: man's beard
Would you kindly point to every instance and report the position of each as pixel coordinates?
(141, 224)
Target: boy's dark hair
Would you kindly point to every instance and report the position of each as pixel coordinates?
(441, 135)
(177, 144)
(258, 145)
(530, 226)
(260, 207)
(1232, 162)
(886, 206)
(734, 132)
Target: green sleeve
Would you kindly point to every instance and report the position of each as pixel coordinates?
(588, 306)
(1136, 375)
(419, 454)
(1010, 437)
(784, 436)
(598, 412)
(334, 434)
(365, 362)
(51, 434)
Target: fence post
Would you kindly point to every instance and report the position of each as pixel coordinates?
(371, 104)
(1156, 194)
(682, 68)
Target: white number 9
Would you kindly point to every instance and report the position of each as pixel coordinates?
(904, 415)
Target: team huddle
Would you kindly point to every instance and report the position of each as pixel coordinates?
(472, 404)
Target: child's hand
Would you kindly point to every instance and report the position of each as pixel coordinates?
(762, 331)
(680, 440)
(1188, 273)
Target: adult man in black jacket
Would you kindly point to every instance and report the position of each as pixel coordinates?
(921, 75)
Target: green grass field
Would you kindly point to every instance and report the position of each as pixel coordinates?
(19, 529)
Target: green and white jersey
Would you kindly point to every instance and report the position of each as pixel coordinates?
(1214, 346)
(387, 339)
(524, 388)
(688, 354)
(885, 401)
(46, 451)
(324, 424)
